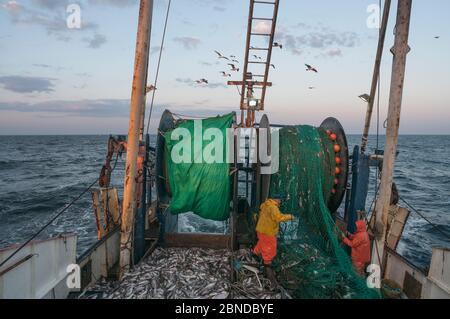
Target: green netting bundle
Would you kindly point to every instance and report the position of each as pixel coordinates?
(197, 167)
(311, 262)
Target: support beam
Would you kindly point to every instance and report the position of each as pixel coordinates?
(376, 74)
(400, 51)
(137, 102)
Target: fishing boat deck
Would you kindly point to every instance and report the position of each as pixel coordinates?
(193, 273)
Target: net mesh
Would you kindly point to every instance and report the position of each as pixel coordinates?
(311, 262)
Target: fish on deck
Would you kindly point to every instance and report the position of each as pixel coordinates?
(188, 273)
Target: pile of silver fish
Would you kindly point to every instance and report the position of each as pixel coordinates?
(190, 273)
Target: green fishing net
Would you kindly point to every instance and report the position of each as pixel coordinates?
(311, 263)
(197, 167)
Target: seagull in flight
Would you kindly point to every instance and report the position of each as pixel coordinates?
(311, 87)
(225, 74)
(235, 61)
(279, 45)
(232, 56)
(257, 57)
(220, 55)
(202, 81)
(310, 68)
(233, 67)
(273, 66)
(437, 37)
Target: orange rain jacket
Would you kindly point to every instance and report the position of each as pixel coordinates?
(360, 244)
(270, 217)
(267, 230)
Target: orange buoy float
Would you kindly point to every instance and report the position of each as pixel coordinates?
(336, 181)
(333, 137)
(338, 160)
(333, 191)
(337, 170)
(337, 148)
(328, 132)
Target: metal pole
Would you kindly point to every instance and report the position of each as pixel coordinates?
(137, 102)
(376, 74)
(400, 51)
(144, 102)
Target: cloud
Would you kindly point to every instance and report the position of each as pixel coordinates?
(325, 40)
(52, 21)
(12, 6)
(319, 38)
(50, 4)
(84, 75)
(333, 52)
(42, 65)
(84, 108)
(206, 63)
(218, 5)
(104, 108)
(116, 3)
(264, 27)
(188, 81)
(27, 84)
(188, 43)
(48, 66)
(96, 41)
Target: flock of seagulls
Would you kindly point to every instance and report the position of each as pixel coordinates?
(234, 68)
(233, 62)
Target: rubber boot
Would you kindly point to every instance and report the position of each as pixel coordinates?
(270, 274)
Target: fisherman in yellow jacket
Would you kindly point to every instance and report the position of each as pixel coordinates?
(267, 227)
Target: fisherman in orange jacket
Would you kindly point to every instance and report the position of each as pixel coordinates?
(267, 229)
(360, 244)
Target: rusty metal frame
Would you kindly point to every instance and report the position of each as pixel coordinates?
(246, 85)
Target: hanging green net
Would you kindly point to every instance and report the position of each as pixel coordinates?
(310, 261)
(197, 167)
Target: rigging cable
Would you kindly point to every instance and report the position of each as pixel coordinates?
(48, 223)
(159, 64)
(425, 218)
(54, 217)
(378, 111)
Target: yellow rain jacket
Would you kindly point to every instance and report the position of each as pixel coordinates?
(270, 217)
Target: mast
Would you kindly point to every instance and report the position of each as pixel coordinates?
(376, 74)
(400, 51)
(136, 112)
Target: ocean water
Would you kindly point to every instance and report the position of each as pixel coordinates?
(39, 175)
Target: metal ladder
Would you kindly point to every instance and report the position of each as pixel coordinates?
(252, 100)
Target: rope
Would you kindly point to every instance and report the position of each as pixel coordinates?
(48, 223)
(378, 113)
(56, 216)
(159, 64)
(425, 218)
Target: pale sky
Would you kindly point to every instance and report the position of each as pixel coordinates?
(56, 80)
